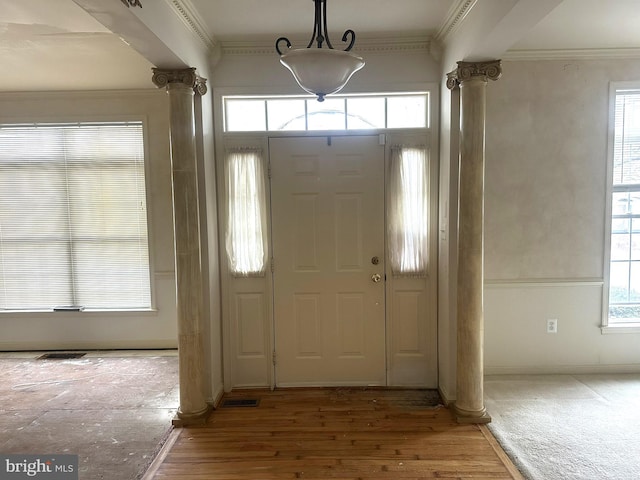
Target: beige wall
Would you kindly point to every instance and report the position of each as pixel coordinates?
(157, 329)
(389, 71)
(546, 151)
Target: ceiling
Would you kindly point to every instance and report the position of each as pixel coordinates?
(586, 25)
(230, 20)
(56, 45)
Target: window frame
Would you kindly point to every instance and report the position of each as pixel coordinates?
(609, 326)
(103, 119)
(310, 100)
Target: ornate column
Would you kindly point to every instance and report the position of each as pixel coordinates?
(181, 86)
(472, 80)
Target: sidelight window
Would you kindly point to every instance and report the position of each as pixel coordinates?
(246, 240)
(407, 210)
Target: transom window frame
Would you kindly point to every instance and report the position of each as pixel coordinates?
(106, 118)
(311, 100)
(608, 326)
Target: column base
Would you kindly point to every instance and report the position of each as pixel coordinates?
(182, 419)
(468, 416)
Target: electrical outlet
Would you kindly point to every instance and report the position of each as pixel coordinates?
(552, 325)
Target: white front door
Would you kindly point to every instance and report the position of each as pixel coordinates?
(327, 202)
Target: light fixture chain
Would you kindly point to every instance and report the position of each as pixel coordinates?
(317, 34)
(324, 23)
(317, 70)
(320, 33)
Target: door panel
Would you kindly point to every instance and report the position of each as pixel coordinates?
(328, 223)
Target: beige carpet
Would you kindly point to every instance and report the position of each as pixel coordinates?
(568, 427)
(112, 409)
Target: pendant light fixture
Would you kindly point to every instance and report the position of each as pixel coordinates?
(321, 71)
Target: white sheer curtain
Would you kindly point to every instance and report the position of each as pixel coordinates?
(246, 238)
(407, 210)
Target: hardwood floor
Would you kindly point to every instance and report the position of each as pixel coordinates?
(346, 433)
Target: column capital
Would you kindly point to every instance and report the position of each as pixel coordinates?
(187, 76)
(452, 80)
(467, 70)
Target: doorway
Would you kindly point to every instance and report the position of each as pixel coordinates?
(318, 316)
(327, 206)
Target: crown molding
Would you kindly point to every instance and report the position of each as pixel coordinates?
(185, 10)
(394, 44)
(457, 13)
(572, 54)
(363, 45)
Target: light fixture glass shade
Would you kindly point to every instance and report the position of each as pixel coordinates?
(321, 71)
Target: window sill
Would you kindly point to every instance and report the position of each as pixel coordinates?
(620, 328)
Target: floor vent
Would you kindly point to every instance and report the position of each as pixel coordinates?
(240, 402)
(61, 355)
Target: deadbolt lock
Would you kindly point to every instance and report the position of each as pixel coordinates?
(375, 260)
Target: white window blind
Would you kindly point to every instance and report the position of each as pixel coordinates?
(407, 211)
(73, 217)
(246, 237)
(626, 145)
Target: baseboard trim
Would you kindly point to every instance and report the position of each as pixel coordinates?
(118, 344)
(217, 397)
(446, 398)
(563, 369)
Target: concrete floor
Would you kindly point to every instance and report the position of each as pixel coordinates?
(111, 408)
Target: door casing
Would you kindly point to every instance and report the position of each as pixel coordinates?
(247, 302)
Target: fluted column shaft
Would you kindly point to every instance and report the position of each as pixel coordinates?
(472, 80)
(181, 86)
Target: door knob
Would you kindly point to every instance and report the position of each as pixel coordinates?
(375, 278)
